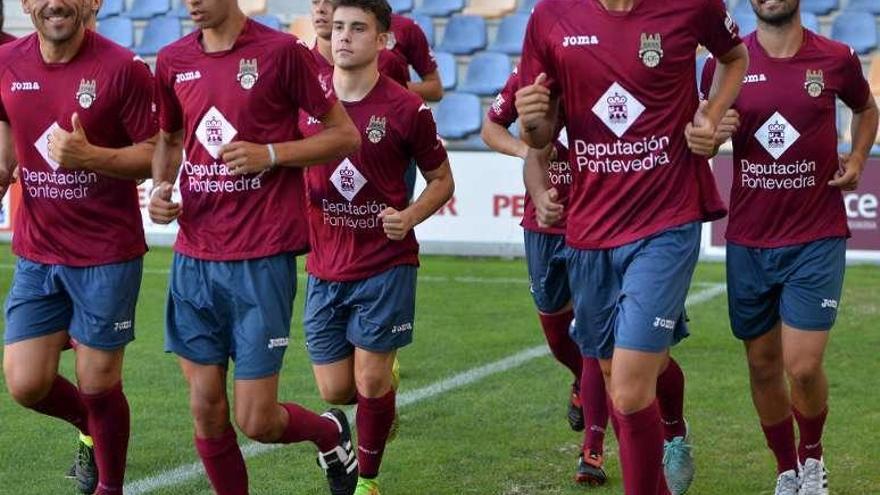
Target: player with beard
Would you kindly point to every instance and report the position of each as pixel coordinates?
(786, 239)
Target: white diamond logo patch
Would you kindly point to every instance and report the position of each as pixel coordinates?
(42, 145)
(777, 135)
(618, 109)
(214, 131)
(348, 179)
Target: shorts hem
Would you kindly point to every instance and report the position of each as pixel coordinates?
(643, 348)
(37, 335)
(752, 336)
(254, 376)
(323, 360)
(202, 362)
(810, 327)
(385, 350)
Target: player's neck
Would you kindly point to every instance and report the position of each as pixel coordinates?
(325, 49)
(353, 85)
(781, 41)
(618, 5)
(61, 53)
(222, 37)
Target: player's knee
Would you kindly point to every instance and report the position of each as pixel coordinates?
(373, 382)
(27, 390)
(210, 414)
(339, 396)
(628, 400)
(257, 425)
(805, 373)
(765, 369)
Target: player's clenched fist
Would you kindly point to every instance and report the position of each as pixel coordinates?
(395, 223)
(548, 209)
(162, 209)
(700, 134)
(243, 158)
(533, 102)
(70, 149)
(727, 127)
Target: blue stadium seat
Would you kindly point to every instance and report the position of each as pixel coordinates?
(872, 6)
(269, 20)
(819, 7)
(118, 29)
(448, 68)
(464, 35)
(427, 25)
(701, 62)
(810, 21)
(440, 8)
(159, 32)
(180, 12)
(856, 29)
(743, 6)
(145, 9)
(526, 6)
(458, 115)
(111, 8)
(747, 22)
(401, 6)
(511, 33)
(486, 74)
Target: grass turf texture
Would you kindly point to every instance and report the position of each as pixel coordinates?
(506, 434)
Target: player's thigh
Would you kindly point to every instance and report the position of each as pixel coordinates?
(261, 292)
(372, 372)
(255, 401)
(104, 302)
(37, 304)
(764, 354)
(657, 274)
(634, 378)
(335, 380)
(803, 350)
(811, 294)
(753, 291)
(197, 327)
(30, 366)
(207, 388)
(595, 288)
(325, 323)
(383, 310)
(548, 277)
(98, 370)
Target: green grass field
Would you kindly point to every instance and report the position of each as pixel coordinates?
(503, 434)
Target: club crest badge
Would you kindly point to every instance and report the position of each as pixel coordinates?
(87, 93)
(651, 50)
(815, 83)
(376, 129)
(247, 73)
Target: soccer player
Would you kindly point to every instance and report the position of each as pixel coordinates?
(229, 94)
(623, 70)
(391, 63)
(545, 257)
(81, 114)
(360, 303)
(407, 39)
(786, 240)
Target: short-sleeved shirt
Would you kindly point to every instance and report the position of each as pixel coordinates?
(75, 217)
(408, 39)
(503, 112)
(252, 92)
(391, 64)
(345, 197)
(785, 150)
(627, 85)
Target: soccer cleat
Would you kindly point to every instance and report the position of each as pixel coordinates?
(367, 486)
(678, 464)
(589, 470)
(340, 464)
(575, 409)
(787, 483)
(84, 470)
(814, 478)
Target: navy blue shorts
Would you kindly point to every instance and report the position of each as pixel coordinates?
(375, 314)
(548, 278)
(799, 285)
(219, 310)
(96, 304)
(633, 296)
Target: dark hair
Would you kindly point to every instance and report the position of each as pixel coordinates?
(378, 8)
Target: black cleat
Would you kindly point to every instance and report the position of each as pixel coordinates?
(340, 464)
(589, 470)
(84, 470)
(575, 410)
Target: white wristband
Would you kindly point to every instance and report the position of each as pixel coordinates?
(273, 158)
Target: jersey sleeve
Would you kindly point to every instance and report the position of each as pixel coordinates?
(170, 111)
(717, 30)
(424, 142)
(138, 112)
(418, 51)
(536, 56)
(503, 109)
(301, 82)
(706, 78)
(854, 88)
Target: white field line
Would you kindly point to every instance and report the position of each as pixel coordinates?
(185, 473)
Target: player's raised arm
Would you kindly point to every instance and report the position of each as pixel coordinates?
(863, 127)
(430, 88)
(439, 189)
(538, 112)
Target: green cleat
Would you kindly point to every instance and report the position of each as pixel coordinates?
(84, 470)
(367, 486)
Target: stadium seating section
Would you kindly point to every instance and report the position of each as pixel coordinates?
(477, 42)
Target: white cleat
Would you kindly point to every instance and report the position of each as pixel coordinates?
(814, 478)
(787, 483)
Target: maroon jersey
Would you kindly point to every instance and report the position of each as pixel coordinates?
(628, 85)
(345, 197)
(785, 151)
(390, 64)
(252, 92)
(75, 217)
(407, 39)
(503, 112)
